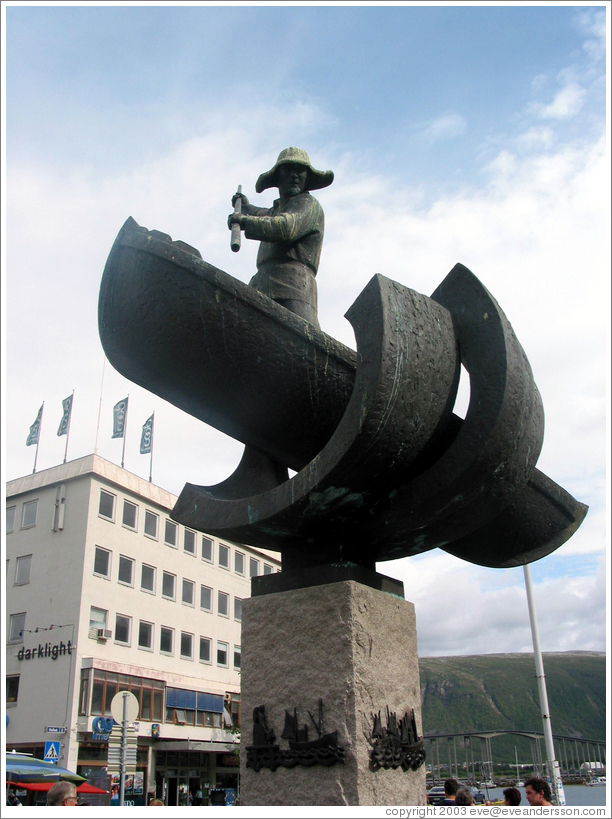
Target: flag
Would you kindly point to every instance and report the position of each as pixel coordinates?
(35, 429)
(119, 413)
(67, 407)
(146, 440)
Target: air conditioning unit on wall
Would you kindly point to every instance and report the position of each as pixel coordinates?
(104, 634)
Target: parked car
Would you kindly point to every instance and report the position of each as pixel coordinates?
(479, 797)
(436, 795)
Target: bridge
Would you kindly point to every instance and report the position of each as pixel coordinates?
(469, 755)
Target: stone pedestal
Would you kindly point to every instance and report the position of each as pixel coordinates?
(354, 648)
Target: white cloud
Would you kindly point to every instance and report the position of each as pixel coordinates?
(593, 23)
(567, 103)
(463, 609)
(447, 126)
(535, 139)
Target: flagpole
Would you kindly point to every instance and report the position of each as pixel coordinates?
(68, 429)
(551, 763)
(38, 437)
(127, 404)
(151, 461)
(100, 407)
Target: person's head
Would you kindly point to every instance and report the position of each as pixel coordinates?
(537, 791)
(292, 179)
(156, 802)
(293, 174)
(464, 797)
(62, 793)
(451, 786)
(512, 796)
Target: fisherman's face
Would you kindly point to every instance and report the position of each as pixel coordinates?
(292, 179)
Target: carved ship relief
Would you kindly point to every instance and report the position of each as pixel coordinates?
(396, 744)
(265, 753)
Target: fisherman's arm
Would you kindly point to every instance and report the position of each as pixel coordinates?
(298, 220)
(246, 209)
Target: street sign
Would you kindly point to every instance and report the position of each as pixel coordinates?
(52, 751)
(114, 751)
(55, 729)
(117, 705)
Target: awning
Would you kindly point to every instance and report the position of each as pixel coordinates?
(26, 768)
(84, 787)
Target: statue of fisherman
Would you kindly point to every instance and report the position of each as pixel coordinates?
(290, 232)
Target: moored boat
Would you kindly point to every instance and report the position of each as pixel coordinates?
(596, 782)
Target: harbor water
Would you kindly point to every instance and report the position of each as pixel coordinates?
(575, 795)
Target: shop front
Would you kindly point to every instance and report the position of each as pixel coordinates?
(194, 777)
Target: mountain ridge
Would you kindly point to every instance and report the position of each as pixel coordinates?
(499, 691)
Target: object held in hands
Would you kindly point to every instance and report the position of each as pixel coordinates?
(235, 240)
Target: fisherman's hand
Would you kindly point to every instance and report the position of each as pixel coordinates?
(238, 196)
(232, 219)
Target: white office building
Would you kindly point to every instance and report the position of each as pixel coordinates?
(106, 593)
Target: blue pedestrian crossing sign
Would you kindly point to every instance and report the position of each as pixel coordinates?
(52, 752)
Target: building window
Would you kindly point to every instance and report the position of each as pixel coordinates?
(207, 549)
(84, 692)
(10, 519)
(12, 689)
(130, 515)
(223, 604)
(170, 537)
(234, 708)
(22, 570)
(189, 542)
(268, 569)
(28, 516)
(106, 508)
(98, 618)
(221, 654)
(205, 598)
(180, 716)
(204, 650)
(186, 646)
(147, 578)
(149, 693)
(166, 640)
(209, 719)
(126, 570)
(145, 635)
(239, 563)
(188, 596)
(16, 627)
(169, 585)
(237, 657)
(151, 705)
(122, 629)
(150, 524)
(237, 608)
(253, 567)
(102, 561)
(224, 556)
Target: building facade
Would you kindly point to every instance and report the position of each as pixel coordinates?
(106, 593)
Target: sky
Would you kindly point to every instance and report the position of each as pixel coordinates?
(456, 133)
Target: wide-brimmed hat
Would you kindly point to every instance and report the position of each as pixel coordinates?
(316, 179)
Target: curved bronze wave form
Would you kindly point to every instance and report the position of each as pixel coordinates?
(384, 469)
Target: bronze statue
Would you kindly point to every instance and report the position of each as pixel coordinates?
(383, 467)
(291, 232)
